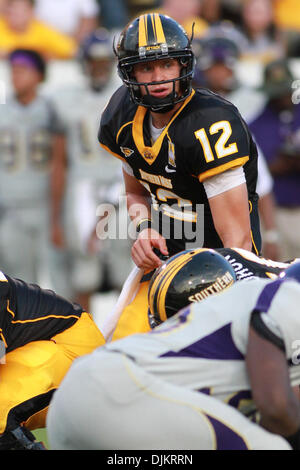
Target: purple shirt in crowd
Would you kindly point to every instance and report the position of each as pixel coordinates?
(270, 131)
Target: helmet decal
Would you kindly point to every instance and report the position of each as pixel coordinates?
(189, 276)
(151, 31)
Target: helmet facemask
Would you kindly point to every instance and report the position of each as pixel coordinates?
(159, 105)
(175, 45)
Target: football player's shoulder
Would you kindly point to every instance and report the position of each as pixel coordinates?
(119, 106)
(4, 284)
(213, 105)
(204, 110)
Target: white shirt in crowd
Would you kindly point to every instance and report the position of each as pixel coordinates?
(64, 15)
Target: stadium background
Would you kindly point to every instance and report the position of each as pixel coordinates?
(263, 30)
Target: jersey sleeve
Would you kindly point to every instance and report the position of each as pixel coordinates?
(276, 316)
(221, 141)
(111, 124)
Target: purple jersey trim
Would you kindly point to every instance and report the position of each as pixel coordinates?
(217, 345)
(267, 295)
(226, 438)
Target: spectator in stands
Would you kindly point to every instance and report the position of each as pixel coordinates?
(231, 11)
(287, 19)
(75, 18)
(19, 28)
(277, 131)
(186, 13)
(114, 14)
(287, 14)
(216, 61)
(2, 3)
(212, 11)
(264, 42)
(137, 7)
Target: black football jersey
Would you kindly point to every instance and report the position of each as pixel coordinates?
(30, 313)
(205, 137)
(249, 266)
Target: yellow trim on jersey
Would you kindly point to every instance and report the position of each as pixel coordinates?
(250, 207)
(33, 320)
(150, 153)
(64, 317)
(253, 244)
(120, 130)
(9, 310)
(272, 275)
(219, 169)
(113, 153)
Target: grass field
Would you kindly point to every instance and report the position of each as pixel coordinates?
(41, 435)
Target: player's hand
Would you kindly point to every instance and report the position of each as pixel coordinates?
(142, 249)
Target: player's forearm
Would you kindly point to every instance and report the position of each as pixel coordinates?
(237, 237)
(138, 199)
(138, 207)
(230, 213)
(270, 384)
(281, 416)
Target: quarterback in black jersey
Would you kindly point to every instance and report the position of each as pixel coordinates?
(189, 161)
(41, 334)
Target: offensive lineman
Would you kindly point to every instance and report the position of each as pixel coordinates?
(197, 380)
(41, 334)
(190, 152)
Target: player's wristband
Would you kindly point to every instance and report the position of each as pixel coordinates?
(143, 224)
(294, 440)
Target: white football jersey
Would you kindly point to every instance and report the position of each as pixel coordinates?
(203, 347)
(26, 134)
(80, 109)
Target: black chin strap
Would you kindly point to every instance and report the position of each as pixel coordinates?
(159, 105)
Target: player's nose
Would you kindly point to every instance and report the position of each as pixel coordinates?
(157, 74)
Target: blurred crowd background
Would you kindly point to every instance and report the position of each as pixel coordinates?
(57, 72)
